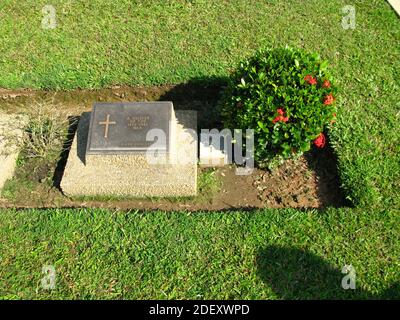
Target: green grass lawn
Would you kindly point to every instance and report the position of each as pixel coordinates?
(263, 254)
(247, 255)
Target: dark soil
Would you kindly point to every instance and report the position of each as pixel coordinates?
(309, 182)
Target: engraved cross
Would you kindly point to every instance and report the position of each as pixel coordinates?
(107, 123)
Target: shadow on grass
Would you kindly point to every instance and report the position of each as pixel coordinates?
(294, 273)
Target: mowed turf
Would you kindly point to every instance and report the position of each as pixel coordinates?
(101, 43)
(271, 254)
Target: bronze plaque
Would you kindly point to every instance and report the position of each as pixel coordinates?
(122, 128)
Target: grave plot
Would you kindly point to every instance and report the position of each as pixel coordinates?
(310, 181)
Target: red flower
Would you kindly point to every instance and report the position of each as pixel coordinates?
(310, 79)
(320, 141)
(328, 99)
(326, 84)
(313, 81)
(280, 117)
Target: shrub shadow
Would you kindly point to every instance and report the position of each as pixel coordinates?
(324, 163)
(201, 95)
(59, 170)
(294, 273)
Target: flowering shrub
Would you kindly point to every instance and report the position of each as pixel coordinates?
(287, 96)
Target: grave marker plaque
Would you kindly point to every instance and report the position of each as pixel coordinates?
(122, 128)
